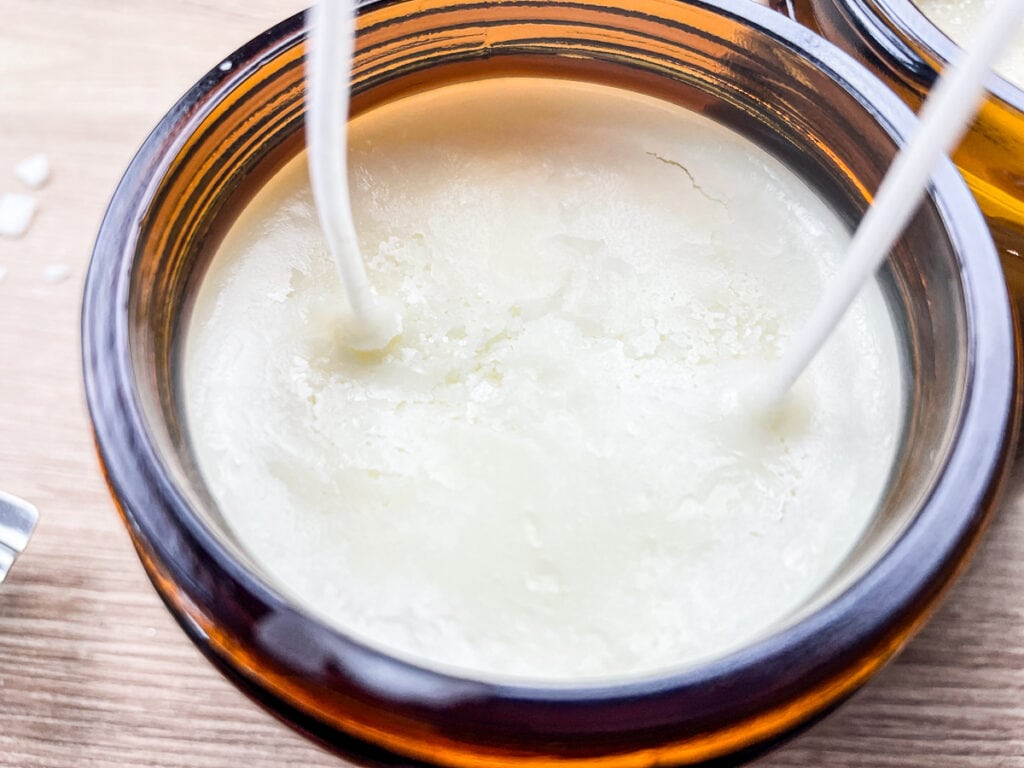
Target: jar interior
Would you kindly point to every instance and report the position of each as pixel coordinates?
(251, 124)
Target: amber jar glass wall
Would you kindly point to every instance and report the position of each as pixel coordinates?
(742, 65)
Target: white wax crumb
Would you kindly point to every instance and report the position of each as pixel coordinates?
(225, 66)
(3, 273)
(16, 212)
(56, 273)
(34, 170)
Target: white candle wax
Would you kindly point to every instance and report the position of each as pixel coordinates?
(958, 19)
(545, 475)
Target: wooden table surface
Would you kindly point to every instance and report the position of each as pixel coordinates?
(93, 671)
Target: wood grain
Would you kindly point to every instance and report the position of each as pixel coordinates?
(93, 672)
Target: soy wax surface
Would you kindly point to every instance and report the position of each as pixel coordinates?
(546, 476)
(958, 20)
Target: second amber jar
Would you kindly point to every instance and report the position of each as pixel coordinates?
(907, 50)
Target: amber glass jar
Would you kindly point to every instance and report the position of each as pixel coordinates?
(902, 46)
(741, 65)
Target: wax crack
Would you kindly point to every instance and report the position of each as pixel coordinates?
(697, 187)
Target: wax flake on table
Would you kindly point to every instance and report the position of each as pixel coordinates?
(34, 170)
(56, 273)
(16, 212)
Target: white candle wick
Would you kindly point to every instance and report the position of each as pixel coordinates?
(375, 321)
(944, 118)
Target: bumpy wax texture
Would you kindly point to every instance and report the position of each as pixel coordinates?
(958, 20)
(545, 475)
